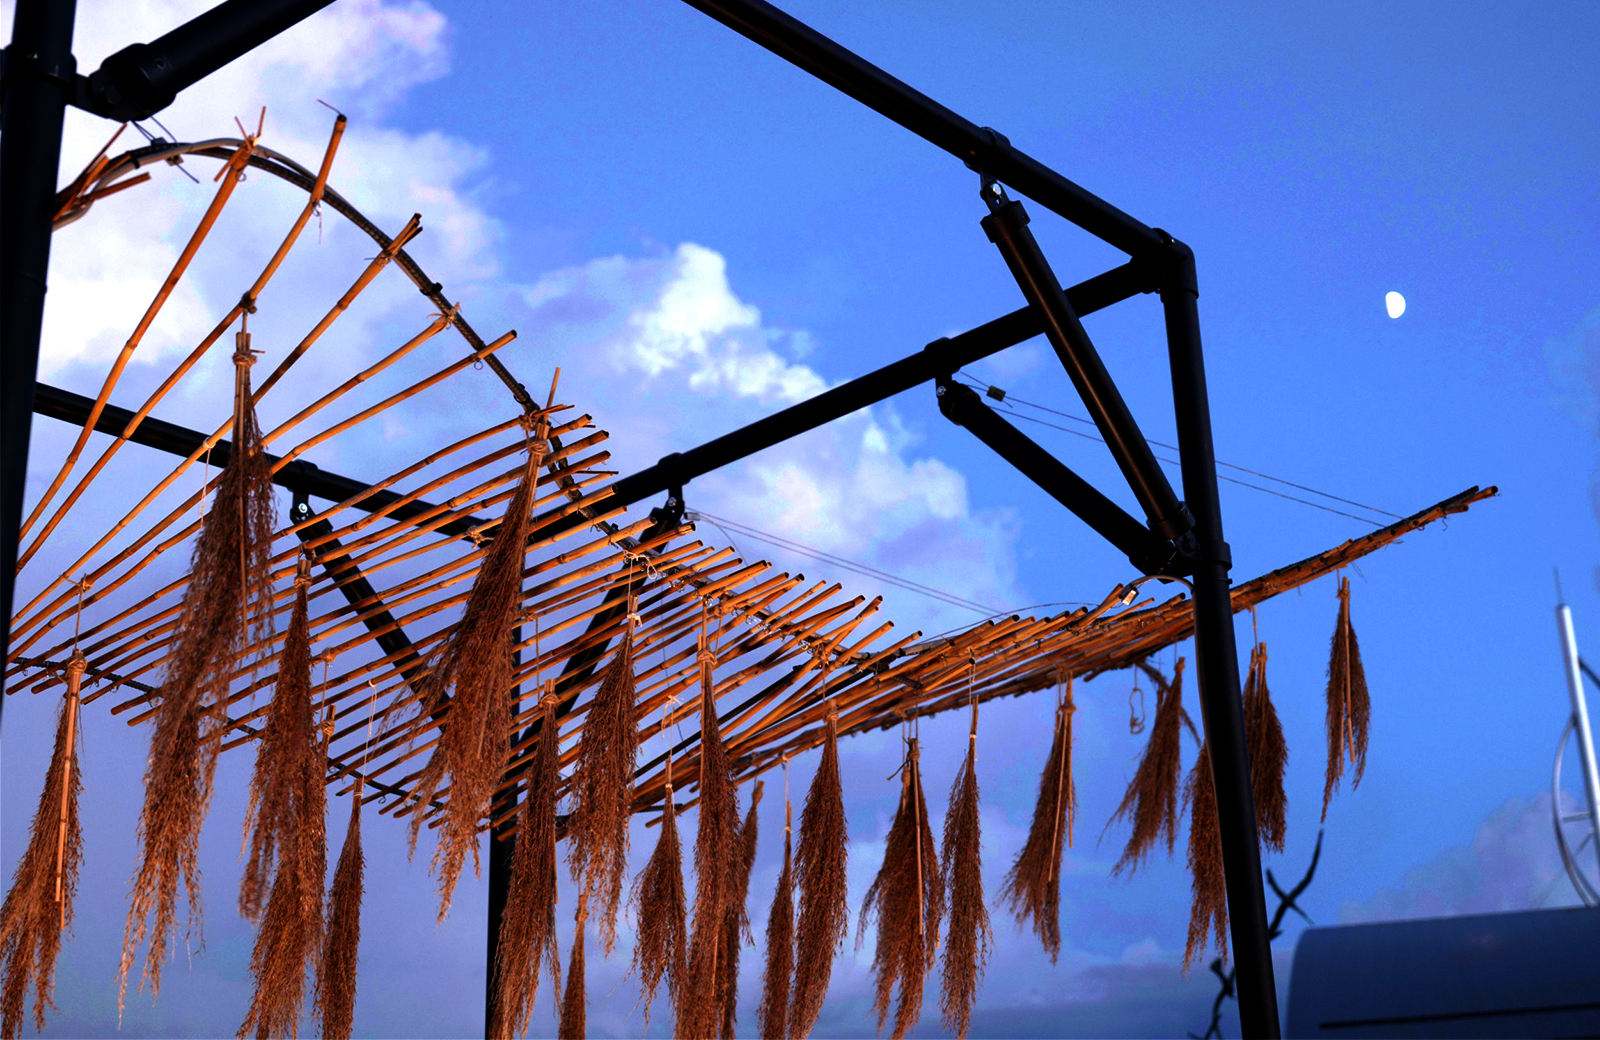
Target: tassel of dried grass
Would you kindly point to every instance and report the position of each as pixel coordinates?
(1032, 887)
(772, 1014)
(907, 898)
(1152, 796)
(820, 873)
(602, 791)
(967, 939)
(1349, 707)
(698, 1008)
(1268, 753)
(661, 948)
(288, 806)
(473, 673)
(38, 909)
(227, 607)
(336, 972)
(736, 919)
(528, 922)
(1209, 911)
(574, 1004)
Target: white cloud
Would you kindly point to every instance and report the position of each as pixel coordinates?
(669, 336)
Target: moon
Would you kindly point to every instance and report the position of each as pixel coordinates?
(1394, 303)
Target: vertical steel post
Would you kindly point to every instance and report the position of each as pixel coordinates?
(1580, 717)
(39, 81)
(1217, 655)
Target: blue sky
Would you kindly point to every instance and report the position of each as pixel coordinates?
(700, 234)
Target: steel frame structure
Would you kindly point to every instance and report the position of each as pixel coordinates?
(1178, 537)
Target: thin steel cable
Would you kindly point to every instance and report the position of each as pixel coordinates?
(1008, 398)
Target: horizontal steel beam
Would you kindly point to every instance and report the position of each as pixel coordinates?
(979, 147)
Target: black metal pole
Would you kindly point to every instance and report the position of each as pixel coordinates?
(39, 78)
(941, 357)
(1007, 228)
(961, 405)
(140, 80)
(1217, 657)
(979, 147)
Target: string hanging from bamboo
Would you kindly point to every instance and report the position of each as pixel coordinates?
(574, 1003)
(1152, 796)
(528, 922)
(736, 919)
(286, 837)
(820, 865)
(602, 784)
(967, 938)
(1269, 755)
(661, 947)
(226, 608)
(1032, 887)
(698, 1009)
(1208, 911)
(907, 899)
(471, 680)
(1349, 707)
(772, 1014)
(37, 911)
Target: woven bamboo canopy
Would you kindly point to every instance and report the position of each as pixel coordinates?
(397, 560)
(784, 646)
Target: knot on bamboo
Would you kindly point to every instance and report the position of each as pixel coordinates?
(549, 701)
(77, 664)
(634, 619)
(83, 584)
(247, 303)
(303, 580)
(707, 657)
(244, 357)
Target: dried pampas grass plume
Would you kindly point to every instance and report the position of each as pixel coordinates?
(1349, 707)
(574, 1004)
(226, 608)
(772, 1014)
(820, 874)
(474, 742)
(967, 939)
(661, 949)
(38, 909)
(286, 829)
(698, 1009)
(1209, 911)
(1268, 753)
(1032, 887)
(602, 791)
(336, 972)
(736, 919)
(907, 898)
(1152, 796)
(528, 921)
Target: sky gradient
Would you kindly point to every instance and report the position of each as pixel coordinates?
(699, 234)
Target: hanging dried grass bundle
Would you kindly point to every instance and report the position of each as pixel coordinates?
(698, 1008)
(820, 872)
(661, 949)
(288, 806)
(1268, 752)
(736, 920)
(336, 972)
(907, 898)
(226, 608)
(1032, 887)
(602, 791)
(1349, 708)
(772, 1014)
(1209, 911)
(528, 922)
(1152, 796)
(474, 741)
(966, 948)
(574, 1004)
(38, 909)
